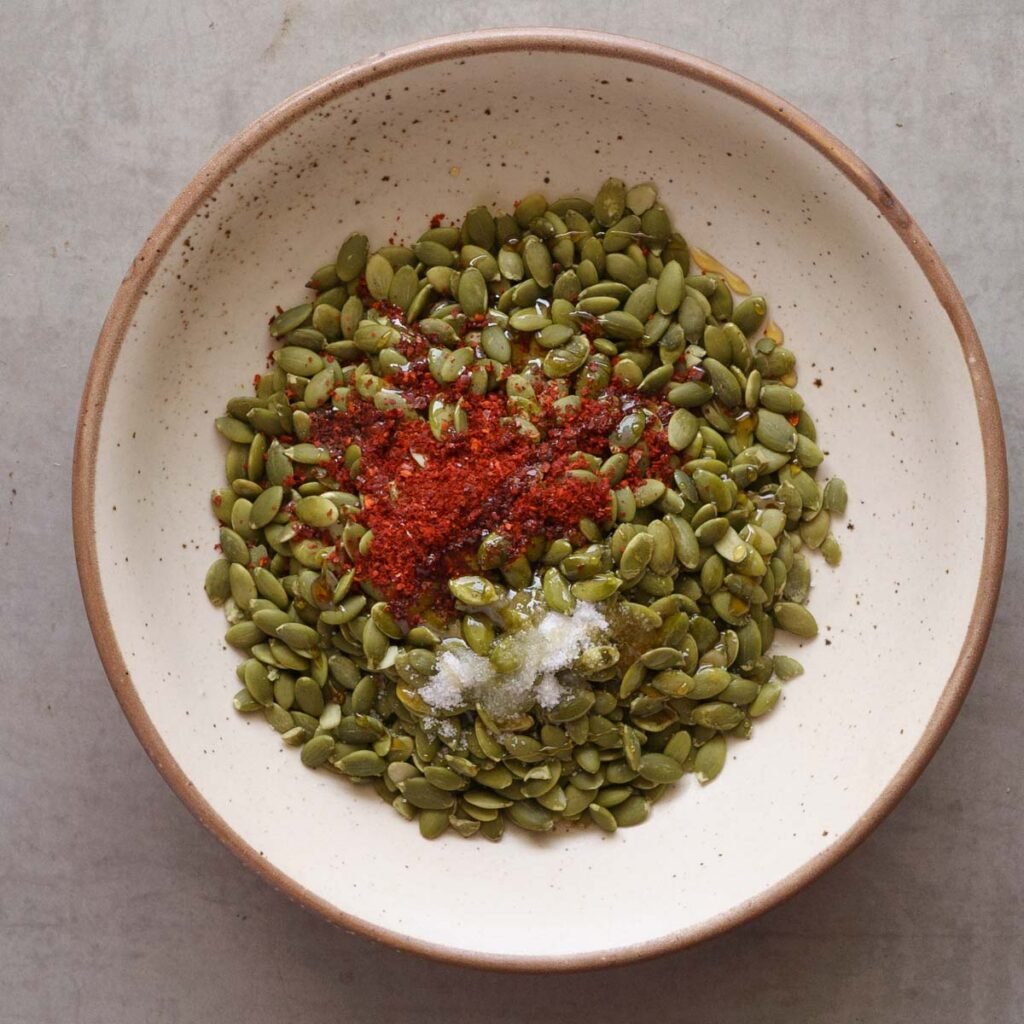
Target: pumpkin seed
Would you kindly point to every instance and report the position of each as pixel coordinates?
(831, 551)
(610, 202)
(679, 747)
(690, 394)
(317, 750)
(787, 668)
(379, 276)
(473, 292)
(631, 812)
(671, 288)
(717, 715)
(660, 768)
(724, 384)
(421, 794)
(622, 268)
(766, 699)
(233, 547)
(602, 817)
(527, 320)
(433, 254)
(629, 430)
(240, 582)
(298, 636)
(352, 257)
(217, 584)
(530, 815)
(795, 619)
(479, 227)
(316, 510)
(433, 823)
(775, 431)
(750, 314)
(834, 497)
(362, 764)
(710, 759)
(474, 591)
(599, 588)
(561, 362)
(538, 262)
(682, 429)
(290, 319)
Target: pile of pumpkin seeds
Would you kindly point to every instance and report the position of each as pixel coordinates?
(701, 572)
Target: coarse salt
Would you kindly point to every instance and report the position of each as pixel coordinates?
(550, 646)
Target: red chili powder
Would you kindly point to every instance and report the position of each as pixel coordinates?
(429, 514)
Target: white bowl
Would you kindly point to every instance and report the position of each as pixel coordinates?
(906, 410)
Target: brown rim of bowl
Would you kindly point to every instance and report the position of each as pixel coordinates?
(598, 45)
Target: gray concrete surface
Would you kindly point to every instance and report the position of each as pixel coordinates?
(115, 905)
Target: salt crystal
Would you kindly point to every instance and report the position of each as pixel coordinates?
(549, 691)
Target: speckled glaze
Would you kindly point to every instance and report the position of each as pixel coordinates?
(890, 366)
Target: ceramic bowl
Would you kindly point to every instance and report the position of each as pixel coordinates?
(889, 362)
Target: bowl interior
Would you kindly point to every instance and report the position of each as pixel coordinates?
(880, 366)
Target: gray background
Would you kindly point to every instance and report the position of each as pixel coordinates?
(115, 905)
